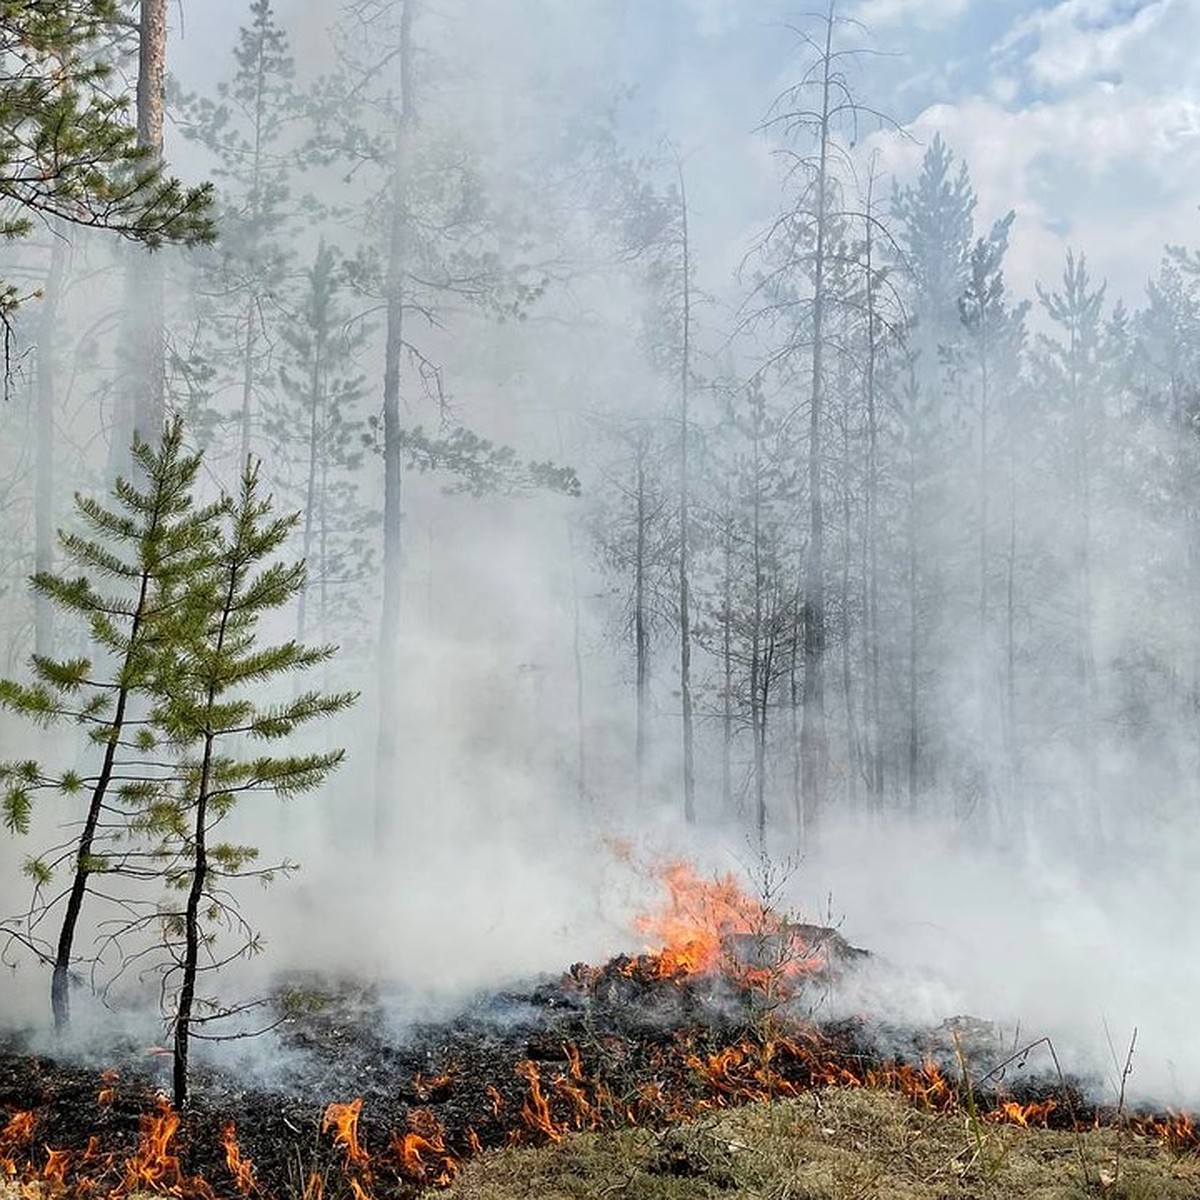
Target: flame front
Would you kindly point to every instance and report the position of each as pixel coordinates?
(700, 927)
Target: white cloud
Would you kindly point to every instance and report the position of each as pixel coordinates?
(928, 14)
(1078, 41)
(1114, 178)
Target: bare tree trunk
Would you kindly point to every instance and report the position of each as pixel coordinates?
(47, 400)
(854, 749)
(1087, 652)
(641, 632)
(685, 628)
(813, 749)
(146, 271)
(983, 649)
(316, 460)
(913, 627)
(727, 666)
(387, 746)
(1010, 647)
(872, 698)
(757, 717)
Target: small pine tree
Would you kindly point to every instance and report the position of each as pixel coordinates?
(207, 686)
(136, 559)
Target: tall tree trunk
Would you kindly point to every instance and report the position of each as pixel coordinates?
(872, 693)
(1014, 805)
(1084, 615)
(387, 746)
(757, 717)
(854, 749)
(913, 621)
(727, 664)
(147, 272)
(812, 733)
(685, 627)
(47, 401)
(641, 632)
(983, 647)
(313, 492)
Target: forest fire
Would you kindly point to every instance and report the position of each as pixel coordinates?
(714, 927)
(643, 1041)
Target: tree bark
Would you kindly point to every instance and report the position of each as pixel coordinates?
(641, 632)
(47, 400)
(685, 628)
(146, 272)
(813, 749)
(387, 745)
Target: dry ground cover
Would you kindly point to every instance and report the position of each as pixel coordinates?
(836, 1144)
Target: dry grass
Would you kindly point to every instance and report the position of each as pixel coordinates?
(836, 1144)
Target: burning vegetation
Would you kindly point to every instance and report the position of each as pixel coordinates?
(707, 1019)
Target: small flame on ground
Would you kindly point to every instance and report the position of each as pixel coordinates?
(692, 934)
(108, 1092)
(241, 1168)
(342, 1119)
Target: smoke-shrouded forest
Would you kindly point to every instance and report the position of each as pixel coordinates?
(784, 485)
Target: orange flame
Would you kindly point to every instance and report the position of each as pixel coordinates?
(422, 1150)
(535, 1112)
(153, 1166)
(1011, 1113)
(54, 1172)
(108, 1093)
(343, 1120)
(696, 932)
(242, 1169)
(18, 1131)
(1176, 1131)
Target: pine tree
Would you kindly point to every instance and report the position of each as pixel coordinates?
(317, 423)
(242, 279)
(67, 148)
(207, 683)
(135, 565)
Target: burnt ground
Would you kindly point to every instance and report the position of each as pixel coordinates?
(596, 1048)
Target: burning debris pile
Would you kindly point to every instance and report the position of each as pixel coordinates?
(718, 1014)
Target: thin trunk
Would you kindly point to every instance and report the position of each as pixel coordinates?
(757, 716)
(872, 692)
(191, 926)
(727, 667)
(1087, 654)
(581, 786)
(853, 746)
(314, 459)
(252, 302)
(60, 980)
(641, 635)
(146, 269)
(387, 746)
(765, 674)
(983, 660)
(1010, 641)
(191, 918)
(685, 628)
(812, 733)
(794, 699)
(47, 400)
(913, 734)
(248, 344)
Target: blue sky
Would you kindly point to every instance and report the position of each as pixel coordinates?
(1083, 115)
